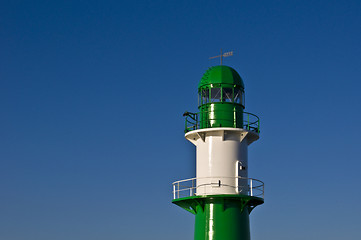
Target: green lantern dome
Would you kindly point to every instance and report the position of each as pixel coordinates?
(221, 75)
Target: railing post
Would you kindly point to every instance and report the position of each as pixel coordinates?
(251, 187)
(235, 118)
(178, 190)
(191, 190)
(248, 121)
(185, 125)
(197, 121)
(173, 191)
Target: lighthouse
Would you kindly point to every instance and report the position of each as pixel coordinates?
(221, 195)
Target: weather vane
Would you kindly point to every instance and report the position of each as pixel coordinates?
(222, 55)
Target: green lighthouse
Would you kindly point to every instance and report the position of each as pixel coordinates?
(221, 196)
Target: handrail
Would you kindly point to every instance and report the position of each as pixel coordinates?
(251, 121)
(191, 122)
(205, 186)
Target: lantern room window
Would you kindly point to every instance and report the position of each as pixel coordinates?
(221, 94)
(227, 94)
(239, 97)
(216, 95)
(205, 95)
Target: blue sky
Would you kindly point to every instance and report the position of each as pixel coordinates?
(92, 95)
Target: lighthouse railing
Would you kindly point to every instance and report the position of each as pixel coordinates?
(251, 122)
(218, 185)
(191, 122)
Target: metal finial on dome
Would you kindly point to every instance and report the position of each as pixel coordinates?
(222, 55)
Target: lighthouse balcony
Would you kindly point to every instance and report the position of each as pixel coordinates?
(218, 186)
(212, 119)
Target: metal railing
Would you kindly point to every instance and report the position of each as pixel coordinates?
(191, 122)
(251, 122)
(206, 186)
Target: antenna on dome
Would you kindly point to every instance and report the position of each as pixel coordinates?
(222, 55)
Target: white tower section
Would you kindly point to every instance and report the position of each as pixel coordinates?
(222, 160)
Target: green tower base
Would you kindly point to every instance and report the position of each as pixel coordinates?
(220, 217)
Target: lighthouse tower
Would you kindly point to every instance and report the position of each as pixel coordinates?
(221, 196)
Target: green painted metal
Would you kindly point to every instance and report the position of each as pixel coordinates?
(221, 115)
(221, 98)
(220, 221)
(220, 217)
(221, 74)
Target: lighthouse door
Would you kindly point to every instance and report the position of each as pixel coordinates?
(241, 178)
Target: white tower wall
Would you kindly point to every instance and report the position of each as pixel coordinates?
(222, 159)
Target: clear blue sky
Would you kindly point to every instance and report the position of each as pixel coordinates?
(91, 128)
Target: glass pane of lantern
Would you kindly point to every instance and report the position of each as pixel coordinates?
(238, 96)
(215, 94)
(227, 95)
(205, 95)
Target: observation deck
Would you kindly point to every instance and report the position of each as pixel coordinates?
(193, 121)
(242, 186)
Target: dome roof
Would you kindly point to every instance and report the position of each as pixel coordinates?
(221, 74)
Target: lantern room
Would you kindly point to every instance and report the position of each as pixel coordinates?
(221, 98)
